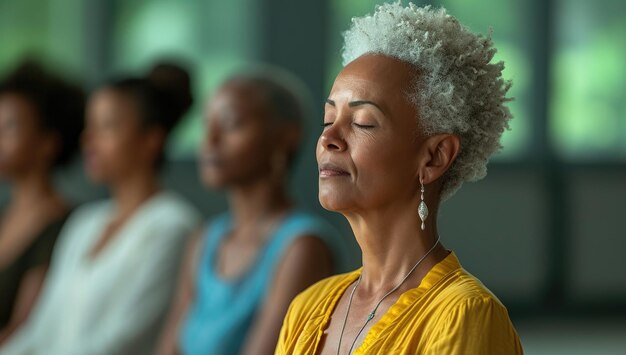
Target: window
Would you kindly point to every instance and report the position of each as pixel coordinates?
(214, 37)
(508, 38)
(588, 111)
(48, 31)
(342, 11)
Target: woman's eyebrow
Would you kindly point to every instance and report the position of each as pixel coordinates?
(356, 103)
(364, 102)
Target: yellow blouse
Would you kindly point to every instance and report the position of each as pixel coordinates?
(450, 312)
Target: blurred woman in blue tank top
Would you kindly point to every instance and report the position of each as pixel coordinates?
(242, 271)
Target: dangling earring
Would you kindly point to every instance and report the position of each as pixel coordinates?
(422, 210)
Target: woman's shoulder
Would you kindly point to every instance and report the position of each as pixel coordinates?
(303, 223)
(92, 208)
(459, 296)
(173, 206)
(86, 214)
(462, 288)
(464, 314)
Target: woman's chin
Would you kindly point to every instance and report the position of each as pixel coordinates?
(213, 180)
(98, 182)
(332, 202)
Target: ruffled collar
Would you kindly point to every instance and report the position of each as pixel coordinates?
(320, 317)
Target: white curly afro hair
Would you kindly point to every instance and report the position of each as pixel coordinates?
(457, 89)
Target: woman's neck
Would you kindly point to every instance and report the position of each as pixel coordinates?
(131, 192)
(35, 189)
(255, 202)
(392, 242)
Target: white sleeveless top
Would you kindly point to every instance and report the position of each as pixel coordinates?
(113, 303)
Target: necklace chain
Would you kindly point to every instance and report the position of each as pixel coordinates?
(371, 315)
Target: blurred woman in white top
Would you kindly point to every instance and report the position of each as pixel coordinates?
(113, 270)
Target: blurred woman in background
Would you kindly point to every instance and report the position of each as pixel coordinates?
(114, 268)
(41, 117)
(243, 269)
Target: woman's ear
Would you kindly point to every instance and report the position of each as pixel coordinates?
(293, 133)
(50, 144)
(154, 141)
(290, 139)
(438, 153)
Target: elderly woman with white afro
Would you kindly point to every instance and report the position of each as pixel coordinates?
(417, 110)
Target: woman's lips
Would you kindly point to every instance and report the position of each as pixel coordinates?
(331, 171)
(211, 160)
(90, 159)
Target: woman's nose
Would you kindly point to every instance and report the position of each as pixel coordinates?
(332, 139)
(212, 135)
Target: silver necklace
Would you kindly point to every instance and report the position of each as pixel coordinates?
(373, 312)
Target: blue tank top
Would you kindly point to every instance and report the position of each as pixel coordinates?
(219, 319)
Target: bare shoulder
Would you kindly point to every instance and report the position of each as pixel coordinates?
(305, 260)
(306, 248)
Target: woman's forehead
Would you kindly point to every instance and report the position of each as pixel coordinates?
(380, 79)
(376, 75)
(235, 95)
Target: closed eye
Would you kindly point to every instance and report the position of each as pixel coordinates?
(364, 126)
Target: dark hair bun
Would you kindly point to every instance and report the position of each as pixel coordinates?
(163, 96)
(60, 105)
(175, 84)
